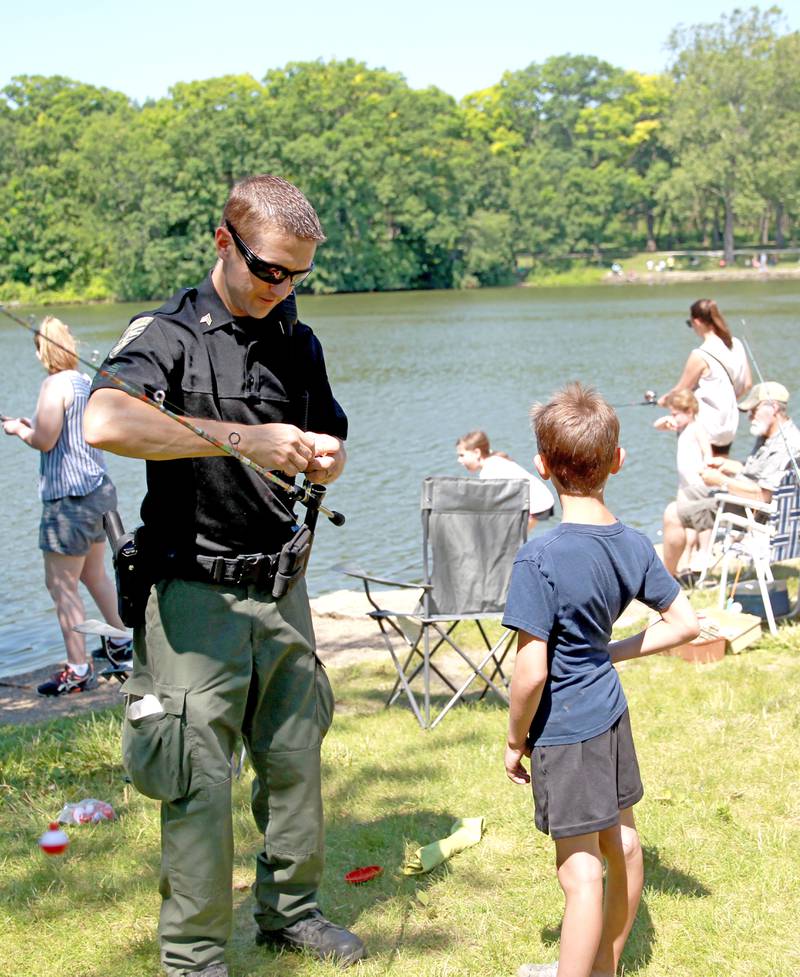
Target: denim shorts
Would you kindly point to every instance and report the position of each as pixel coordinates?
(579, 788)
(71, 525)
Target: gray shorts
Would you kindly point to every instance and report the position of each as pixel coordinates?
(697, 508)
(579, 788)
(71, 525)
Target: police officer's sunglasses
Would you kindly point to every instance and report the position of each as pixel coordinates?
(266, 271)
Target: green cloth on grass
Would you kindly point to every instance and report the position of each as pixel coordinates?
(464, 833)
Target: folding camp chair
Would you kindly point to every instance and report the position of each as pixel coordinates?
(759, 533)
(471, 531)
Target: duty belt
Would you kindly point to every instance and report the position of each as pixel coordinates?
(254, 569)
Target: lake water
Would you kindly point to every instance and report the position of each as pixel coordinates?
(414, 371)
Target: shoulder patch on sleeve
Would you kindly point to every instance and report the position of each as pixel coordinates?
(136, 328)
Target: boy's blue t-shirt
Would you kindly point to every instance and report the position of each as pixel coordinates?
(568, 586)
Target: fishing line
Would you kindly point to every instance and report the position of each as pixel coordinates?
(780, 426)
(649, 399)
(307, 497)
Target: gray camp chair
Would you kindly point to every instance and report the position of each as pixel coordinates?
(471, 531)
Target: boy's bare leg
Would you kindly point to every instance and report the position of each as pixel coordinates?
(687, 557)
(580, 873)
(674, 538)
(703, 540)
(622, 851)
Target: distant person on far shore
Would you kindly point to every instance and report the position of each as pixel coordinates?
(718, 374)
(75, 492)
(475, 454)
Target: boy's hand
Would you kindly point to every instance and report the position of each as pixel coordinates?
(515, 771)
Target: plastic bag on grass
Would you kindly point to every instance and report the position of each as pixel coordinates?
(88, 811)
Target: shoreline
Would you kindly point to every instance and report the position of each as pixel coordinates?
(565, 279)
(345, 637)
(721, 275)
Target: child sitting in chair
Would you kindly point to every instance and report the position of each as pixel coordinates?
(568, 711)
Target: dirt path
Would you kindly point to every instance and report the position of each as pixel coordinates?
(344, 635)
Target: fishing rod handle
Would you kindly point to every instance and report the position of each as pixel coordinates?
(337, 518)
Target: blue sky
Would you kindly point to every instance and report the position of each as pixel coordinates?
(142, 48)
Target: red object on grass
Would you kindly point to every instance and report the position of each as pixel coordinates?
(363, 874)
(54, 841)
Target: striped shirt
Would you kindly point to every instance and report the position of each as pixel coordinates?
(71, 466)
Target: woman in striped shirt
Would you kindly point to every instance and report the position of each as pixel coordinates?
(75, 492)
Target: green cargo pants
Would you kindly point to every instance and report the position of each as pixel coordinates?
(224, 661)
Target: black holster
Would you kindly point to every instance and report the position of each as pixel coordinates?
(292, 562)
(132, 569)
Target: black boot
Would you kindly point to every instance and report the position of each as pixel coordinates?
(319, 936)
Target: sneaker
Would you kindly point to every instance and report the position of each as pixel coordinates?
(120, 654)
(319, 936)
(538, 970)
(68, 680)
(212, 970)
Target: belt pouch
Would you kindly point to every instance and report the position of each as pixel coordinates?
(292, 562)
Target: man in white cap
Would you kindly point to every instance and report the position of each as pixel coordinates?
(777, 441)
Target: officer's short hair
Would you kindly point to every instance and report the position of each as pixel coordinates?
(265, 199)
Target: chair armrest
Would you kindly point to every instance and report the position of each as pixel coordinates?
(366, 579)
(360, 575)
(768, 508)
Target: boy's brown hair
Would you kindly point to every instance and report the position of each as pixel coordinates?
(577, 434)
(683, 400)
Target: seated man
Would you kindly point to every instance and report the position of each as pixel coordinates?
(777, 441)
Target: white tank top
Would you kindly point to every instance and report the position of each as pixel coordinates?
(717, 391)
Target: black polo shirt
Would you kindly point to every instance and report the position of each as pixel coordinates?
(210, 364)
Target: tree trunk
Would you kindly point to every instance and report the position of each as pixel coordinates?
(716, 235)
(765, 227)
(727, 242)
(780, 240)
(651, 231)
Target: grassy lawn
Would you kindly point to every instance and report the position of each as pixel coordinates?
(720, 823)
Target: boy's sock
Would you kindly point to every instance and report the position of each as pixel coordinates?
(80, 670)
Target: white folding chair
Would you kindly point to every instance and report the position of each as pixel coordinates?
(759, 533)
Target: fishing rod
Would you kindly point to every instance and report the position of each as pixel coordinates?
(780, 426)
(309, 497)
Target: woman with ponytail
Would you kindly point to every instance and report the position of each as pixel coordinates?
(717, 372)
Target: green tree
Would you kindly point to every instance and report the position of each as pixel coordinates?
(719, 117)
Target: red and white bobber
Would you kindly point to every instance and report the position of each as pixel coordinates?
(54, 841)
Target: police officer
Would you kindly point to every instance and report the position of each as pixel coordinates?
(217, 657)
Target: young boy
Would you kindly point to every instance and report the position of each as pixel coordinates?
(568, 586)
